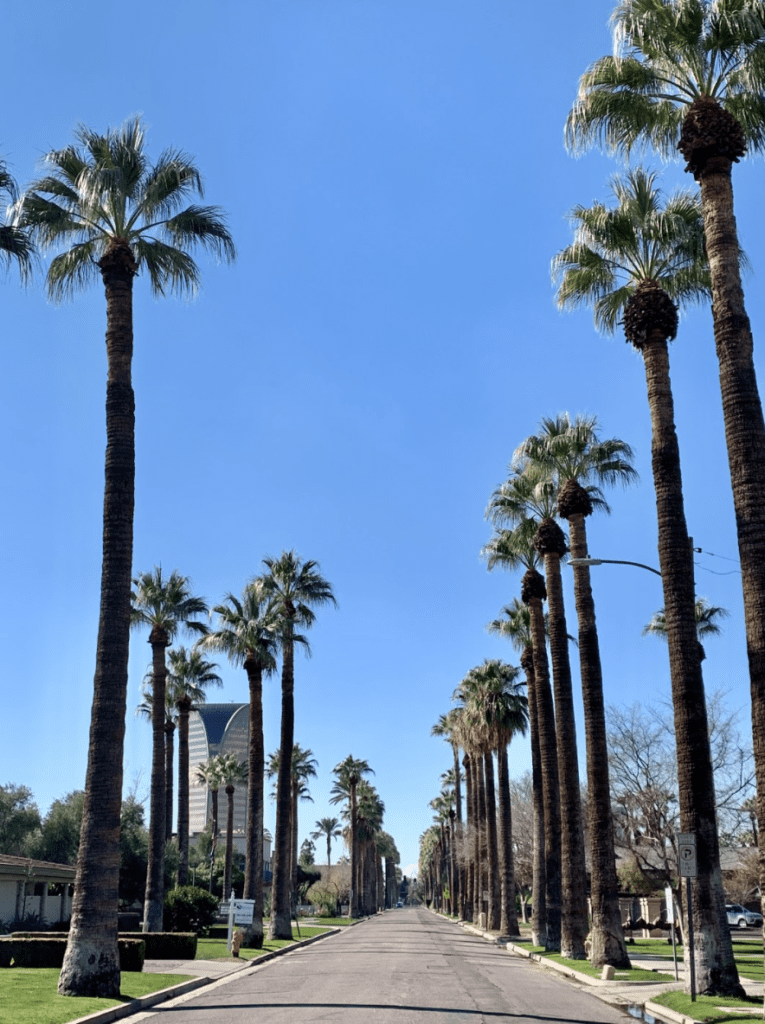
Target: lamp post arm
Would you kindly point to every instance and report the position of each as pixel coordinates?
(611, 561)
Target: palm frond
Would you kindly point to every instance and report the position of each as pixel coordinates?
(72, 271)
(205, 226)
(169, 269)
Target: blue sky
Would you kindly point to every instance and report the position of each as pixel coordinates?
(396, 182)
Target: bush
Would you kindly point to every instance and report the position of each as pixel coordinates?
(6, 952)
(38, 952)
(190, 909)
(166, 945)
(132, 954)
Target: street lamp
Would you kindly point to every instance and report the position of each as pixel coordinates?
(610, 561)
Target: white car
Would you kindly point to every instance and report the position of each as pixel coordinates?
(740, 917)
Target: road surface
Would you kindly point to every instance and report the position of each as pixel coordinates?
(404, 967)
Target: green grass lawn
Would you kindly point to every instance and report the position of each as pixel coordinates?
(713, 1008)
(216, 949)
(585, 967)
(28, 996)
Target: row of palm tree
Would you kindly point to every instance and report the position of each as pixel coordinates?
(687, 76)
(228, 771)
(469, 859)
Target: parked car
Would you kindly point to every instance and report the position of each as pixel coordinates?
(740, 917)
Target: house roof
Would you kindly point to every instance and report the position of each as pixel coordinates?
(25, 869)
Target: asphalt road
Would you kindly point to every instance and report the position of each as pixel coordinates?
(404, 967)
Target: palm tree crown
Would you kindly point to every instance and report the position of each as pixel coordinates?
(667, 54)
(15, 243)
(166, 604)
(105, 192)
(640, 239)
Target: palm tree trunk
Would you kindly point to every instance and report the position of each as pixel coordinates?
(253, 871)
(294, 841)
(715, 969)
(214, 831)
(91, 962)
(169, 758)
(481, 836)
(574, 926)
(539, 885)
(155, 872)
(493, 912)
(744, 433)
(280, 926)
(607, 934)
(508, 924)
(229, 842)
(184, 707)
(548, 748)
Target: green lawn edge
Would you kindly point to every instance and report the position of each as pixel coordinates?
(585, 967)
(712, 1008)
(217, 949)
(29, 996)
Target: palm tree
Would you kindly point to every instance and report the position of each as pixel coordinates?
(515, 625)
(530, 494)
(328, 828)
(304, 766)
(231, 772)
(573, 454)
(166, 605)
(207, 774)
(145, 709)
(294, 588)
(15, 243)
(189, 676)
(689, 75)
(707, 624)
(513, 549)
(246, 634)
(444, 727)
(638, 257)
(496, 710)
(115, 214)
(348, 773)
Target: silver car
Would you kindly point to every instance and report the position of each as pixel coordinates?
(740, 917)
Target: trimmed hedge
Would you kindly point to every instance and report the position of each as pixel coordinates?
(167, 945)
(48, 951)
(6, 951)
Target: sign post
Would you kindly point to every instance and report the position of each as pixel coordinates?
(670, 901)
(686, 858)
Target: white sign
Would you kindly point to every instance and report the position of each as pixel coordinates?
(244, 910)
(686, 854)
(670, 905)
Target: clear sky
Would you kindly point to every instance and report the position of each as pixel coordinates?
(354, 387)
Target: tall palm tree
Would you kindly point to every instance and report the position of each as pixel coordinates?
(231, 772)
(246, 634)
(529, 494)
(294, 588)
(304, 766)
(515, 625)
(145, 709)
(348, 773)
(207, 774)
(15, 243)
(111, 213)
(166, 605)
(514, 549)
(190, 675)
(444, 728)
(636, 258)
(689, 75)
(329, 829)
(577, 460)
(497, 711)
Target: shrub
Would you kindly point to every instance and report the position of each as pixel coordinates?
(166, 945)
(38, 952)
(132, 954)
(190, 909)
(6, 952)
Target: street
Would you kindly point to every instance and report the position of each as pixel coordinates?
(404, 967)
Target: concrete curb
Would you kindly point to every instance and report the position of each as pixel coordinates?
(586, 979)
(183, 987)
